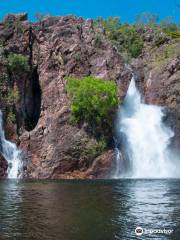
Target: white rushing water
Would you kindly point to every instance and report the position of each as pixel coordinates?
(11, 153)
(146, 139)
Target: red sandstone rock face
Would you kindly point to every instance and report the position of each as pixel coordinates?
(100, 169)
(101, 166)
(162, 84)
(60, 47)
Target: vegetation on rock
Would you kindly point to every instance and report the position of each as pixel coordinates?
(93, 101)
(17, 62)
(78, 49)
(15, 66)
(125, 37)
(165, 54)
(129, 39)
(13, 96)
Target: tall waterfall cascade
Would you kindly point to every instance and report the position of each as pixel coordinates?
(142, 140)
(11, 153)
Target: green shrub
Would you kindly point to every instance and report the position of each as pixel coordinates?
(110, 24)
(11, 117)
(17, 62)
(174, 35)
(123, 36)
(102, 145)
(91, 151)
(129, 41)
(162, 56)
(93, 101)
(12, 99)
(168, 25)
(172, 51)
(13, 96)
(159, 38)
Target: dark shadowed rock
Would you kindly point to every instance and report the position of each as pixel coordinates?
(3, 167)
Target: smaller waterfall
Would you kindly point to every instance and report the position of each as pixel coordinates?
(142, 140)
(11, 153)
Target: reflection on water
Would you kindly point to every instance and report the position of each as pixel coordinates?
(88, 210)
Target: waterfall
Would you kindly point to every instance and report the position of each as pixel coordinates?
(142, 139)
(11, 153)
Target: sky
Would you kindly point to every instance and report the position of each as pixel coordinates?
(127, 10)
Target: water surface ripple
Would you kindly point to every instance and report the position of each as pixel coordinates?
(88, 210)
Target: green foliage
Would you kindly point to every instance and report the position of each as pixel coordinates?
(95, 149)
(11, 117)
(123, 36)
(102, 145)
(172, 51)
(93, 101)
(168, 25)
(91, 151)
(17, 62)
(12, 100)
(129, 38)
(130, 41)
(163, 55)
(159, 38)
(110, 24)
(13, 96)
(174, 35)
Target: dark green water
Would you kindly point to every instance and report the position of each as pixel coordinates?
(88, 210)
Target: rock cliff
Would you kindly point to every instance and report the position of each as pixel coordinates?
(35, 104)
(57, 47)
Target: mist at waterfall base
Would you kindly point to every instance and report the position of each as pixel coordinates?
(143, 140)
(11, 153)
